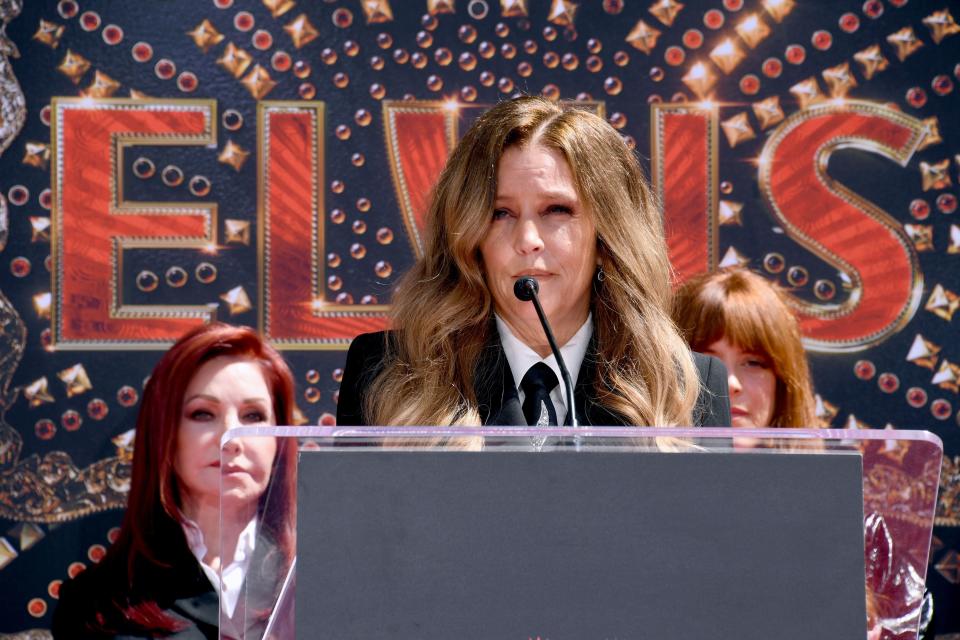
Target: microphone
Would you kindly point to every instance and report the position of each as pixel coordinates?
(526, 288)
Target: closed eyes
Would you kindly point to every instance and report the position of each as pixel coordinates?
(562, 209)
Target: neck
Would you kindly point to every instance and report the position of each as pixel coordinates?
(533, 335)
(207, 515)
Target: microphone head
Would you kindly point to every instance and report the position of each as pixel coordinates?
(526, 287)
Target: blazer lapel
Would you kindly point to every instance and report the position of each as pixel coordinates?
(497, 399)
(194, 597)
(499, 402)
(589, 411)
(260, 588)
(202, 609)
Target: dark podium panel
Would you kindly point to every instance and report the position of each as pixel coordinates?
(587, 545)
(604, 533)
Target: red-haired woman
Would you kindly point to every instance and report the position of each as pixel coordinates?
(162, 577)
(741, 318)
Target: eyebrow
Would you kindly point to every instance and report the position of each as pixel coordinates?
(203, 396)
(565, 196)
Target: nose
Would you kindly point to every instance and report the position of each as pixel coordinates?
(733, 382)
(527, 236)
(230, 420)
(232, 447)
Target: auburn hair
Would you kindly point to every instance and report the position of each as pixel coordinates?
(751, 313)
(151, 539)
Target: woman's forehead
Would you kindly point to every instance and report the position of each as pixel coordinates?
(228, 371)
(534, 168)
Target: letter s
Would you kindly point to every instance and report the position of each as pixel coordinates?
(845, 230)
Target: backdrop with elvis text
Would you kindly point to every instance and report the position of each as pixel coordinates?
(267, 163)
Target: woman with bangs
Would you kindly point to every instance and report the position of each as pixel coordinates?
(535, 189)
(743, 319)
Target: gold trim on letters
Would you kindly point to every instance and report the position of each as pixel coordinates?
(390, 109)
(118, 206)
(900, 156)
(320, 307)
(657, 111)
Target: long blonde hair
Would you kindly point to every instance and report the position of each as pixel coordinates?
(752, 314)
(443, 309)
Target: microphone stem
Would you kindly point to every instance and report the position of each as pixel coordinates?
(567, 384)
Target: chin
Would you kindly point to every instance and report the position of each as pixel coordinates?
(239, 497)
(517, 310)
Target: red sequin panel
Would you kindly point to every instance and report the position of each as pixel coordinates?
(842, 228)
(420, 136)
(684, 176)
(93, 224)
(296, 313)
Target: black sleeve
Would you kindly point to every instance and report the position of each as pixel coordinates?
(713, 404)
(365, 360)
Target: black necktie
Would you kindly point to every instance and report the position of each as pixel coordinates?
(537, 383)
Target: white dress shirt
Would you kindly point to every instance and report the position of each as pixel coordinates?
(521, 358)
(234, 573)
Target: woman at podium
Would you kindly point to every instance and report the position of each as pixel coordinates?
(535, 190)
(162, 577)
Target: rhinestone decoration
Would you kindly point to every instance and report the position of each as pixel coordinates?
(941, 25)
(237, 301)
(942, 302)
(864, 369)
(75, 379)
(922, 352)
(905, 42)
(205, 273)
(74, 66)
(222, 197)
(205, 36)
(947, 376)
(797, 276)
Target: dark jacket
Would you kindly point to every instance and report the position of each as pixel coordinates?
(181, 590)
(497, 397)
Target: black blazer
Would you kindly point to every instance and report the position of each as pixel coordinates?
(181, 590)
(499, 402)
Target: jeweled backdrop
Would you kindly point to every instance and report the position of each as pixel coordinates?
(267, 163)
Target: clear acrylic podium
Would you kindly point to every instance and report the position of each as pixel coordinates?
(554, 505)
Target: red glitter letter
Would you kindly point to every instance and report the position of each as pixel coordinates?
(853, 235)
(295, 312)
(684, 159)
(93, 225)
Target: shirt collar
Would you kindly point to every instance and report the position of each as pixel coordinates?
(198, 546)
(521, 357)
(233, 573)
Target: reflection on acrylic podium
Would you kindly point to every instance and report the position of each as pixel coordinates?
(598, 533)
